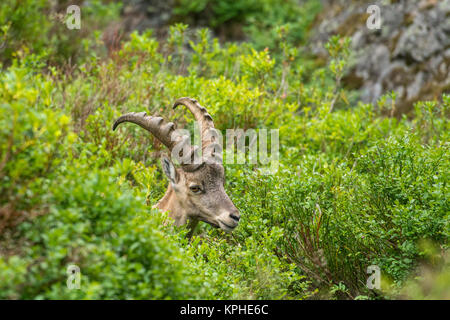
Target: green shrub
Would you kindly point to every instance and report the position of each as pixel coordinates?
(33, 137)
(258, 20)
(40, 27)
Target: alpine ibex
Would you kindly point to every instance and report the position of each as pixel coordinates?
(196, 189)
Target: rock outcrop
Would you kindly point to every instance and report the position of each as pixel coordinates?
(409, 54)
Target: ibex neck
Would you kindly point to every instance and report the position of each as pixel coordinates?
(169, 203)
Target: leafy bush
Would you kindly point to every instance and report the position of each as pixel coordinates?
(40, 27)
(110, 236)
(33, 137)
(257, 20)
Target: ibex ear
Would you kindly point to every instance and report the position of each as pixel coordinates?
(169, 169)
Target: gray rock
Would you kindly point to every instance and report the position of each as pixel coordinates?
(409, 55)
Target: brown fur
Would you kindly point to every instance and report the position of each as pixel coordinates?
(196, 191)
(212, 205)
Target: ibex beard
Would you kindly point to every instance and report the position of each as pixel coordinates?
(196, 188)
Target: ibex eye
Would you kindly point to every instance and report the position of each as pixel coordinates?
(195, 189)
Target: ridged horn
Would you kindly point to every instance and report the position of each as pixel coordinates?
(206, 123)
(155, 125)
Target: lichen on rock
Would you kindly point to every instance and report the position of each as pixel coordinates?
(409, 54)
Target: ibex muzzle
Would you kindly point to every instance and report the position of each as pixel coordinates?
(196, 190)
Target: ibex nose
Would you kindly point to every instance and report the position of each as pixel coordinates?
(235, 216)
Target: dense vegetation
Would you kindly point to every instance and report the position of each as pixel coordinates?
(355, 187)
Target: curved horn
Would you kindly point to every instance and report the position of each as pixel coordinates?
(205, 121)
(164, 132)
(155, 125)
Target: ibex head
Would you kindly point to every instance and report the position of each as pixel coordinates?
(196, 189)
